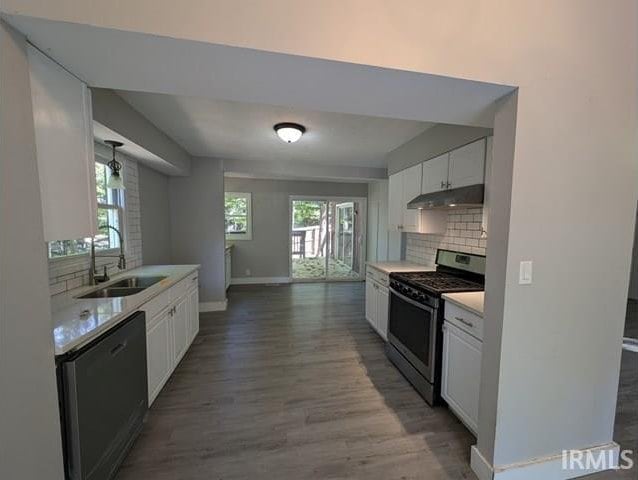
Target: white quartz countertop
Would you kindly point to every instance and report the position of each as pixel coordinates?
(72, 329)
(472, 301)
(399, 266)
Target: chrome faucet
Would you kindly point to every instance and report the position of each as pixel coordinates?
(94, 279)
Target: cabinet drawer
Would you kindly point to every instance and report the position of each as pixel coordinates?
(154, 306)
(465, 320)
(378, 276)
(180, 288)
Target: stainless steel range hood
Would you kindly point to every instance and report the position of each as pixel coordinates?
(470, 196)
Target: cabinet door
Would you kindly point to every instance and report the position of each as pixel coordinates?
(395, 202)
(193, 313)
(467, 165)
(435, 173)
(371, 302)
(179, 320)
(383, 302)
(159, 361)
(411, 190)
(64, 143)
(461, 374)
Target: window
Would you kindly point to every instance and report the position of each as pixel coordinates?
(238, 219)
(110, 212)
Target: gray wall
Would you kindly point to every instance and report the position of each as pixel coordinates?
(111, 111)
(435, 141)
(155, 216)
(197, 225)
(266, 255)
(30, 442)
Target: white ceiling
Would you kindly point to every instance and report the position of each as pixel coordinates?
(244, 131)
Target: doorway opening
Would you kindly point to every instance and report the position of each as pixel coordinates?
(327, 238)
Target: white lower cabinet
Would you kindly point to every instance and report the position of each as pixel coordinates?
(377, 301)
(193, 312)
(181, 329)
(461, 379)
(159, 357)
(172, 322)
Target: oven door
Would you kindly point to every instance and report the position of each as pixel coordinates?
(412, 331)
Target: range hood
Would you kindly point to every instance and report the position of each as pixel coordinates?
(470, 196)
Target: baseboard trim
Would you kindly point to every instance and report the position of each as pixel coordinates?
(480, 466)
(258, 280)
(547, 468)
(213, 306)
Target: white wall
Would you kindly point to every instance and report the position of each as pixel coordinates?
(155, 217)
(575, 63)
(633, 283)
(30, 438)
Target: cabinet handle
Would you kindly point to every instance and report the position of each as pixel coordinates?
(464, 322)
(448, 185)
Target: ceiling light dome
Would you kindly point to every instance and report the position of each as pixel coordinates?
(289, 132)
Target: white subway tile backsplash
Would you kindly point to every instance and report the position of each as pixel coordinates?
(463, 234)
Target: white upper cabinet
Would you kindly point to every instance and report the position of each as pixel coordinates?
(64, 142)
(467, 165)
(404, 187)
(435, 174)
(395, 202)
(411, 190)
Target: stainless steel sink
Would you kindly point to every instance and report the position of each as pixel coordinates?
(124, 288)
(112, 292)
(136, 282)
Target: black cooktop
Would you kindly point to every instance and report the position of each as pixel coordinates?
(437, 282)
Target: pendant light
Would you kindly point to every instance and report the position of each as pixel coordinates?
(115, 180)
(289, 132)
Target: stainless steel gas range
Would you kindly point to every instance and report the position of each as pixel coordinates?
(415, 335)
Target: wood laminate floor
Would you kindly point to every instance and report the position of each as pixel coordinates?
(291, 383)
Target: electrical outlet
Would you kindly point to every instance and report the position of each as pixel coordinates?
(248, 272)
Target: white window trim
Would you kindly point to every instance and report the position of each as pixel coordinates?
(249, 216)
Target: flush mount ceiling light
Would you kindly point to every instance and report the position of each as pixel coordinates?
(289, 132)
(115, 180)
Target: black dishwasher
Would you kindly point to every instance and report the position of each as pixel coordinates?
(104, 399)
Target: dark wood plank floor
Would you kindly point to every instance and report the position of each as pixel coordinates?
(291, 383)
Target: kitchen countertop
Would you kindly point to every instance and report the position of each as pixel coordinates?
(72, 331)
(399, 266)
(472, 301)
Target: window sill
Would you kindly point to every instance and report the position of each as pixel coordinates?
(82, 256)
(238, 237)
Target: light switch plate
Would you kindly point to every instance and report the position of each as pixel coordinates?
(525, 273)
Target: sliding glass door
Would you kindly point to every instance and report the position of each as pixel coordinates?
(327, 237)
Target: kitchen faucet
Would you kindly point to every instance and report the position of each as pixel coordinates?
(121, 264)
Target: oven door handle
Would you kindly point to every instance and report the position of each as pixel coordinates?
(411, 302)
